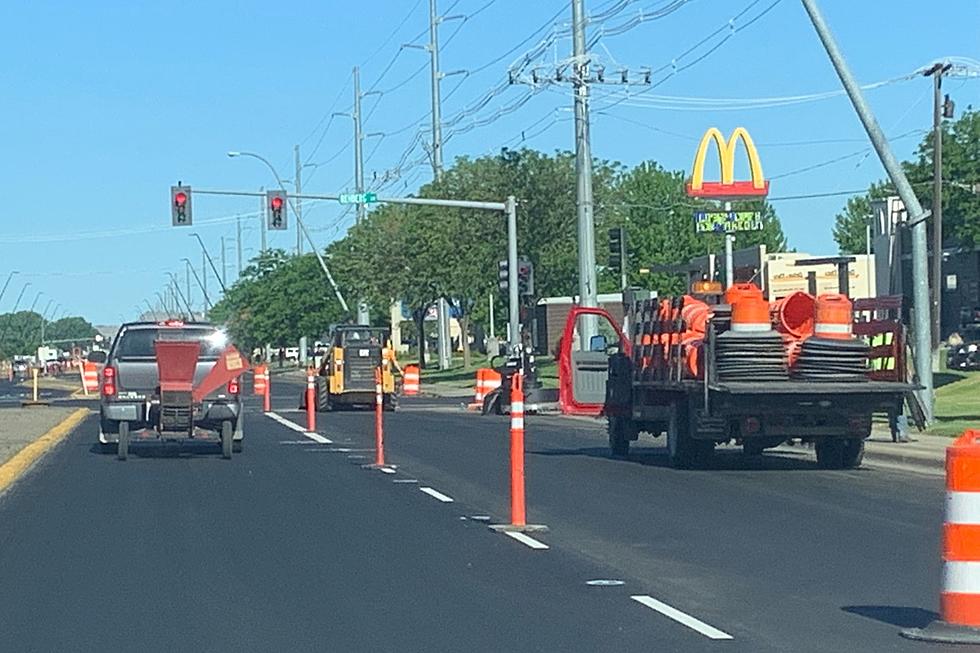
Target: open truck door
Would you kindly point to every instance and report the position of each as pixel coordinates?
(582, 371)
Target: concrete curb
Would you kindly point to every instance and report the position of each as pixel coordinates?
(23, 460)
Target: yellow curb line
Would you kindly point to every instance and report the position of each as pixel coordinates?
(22, 461)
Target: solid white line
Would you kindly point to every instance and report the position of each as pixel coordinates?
(681, 617)
(437, 494)
(387, 470)
(316, 437)
(526, 540)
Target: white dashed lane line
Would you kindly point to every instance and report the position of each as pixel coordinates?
(681, 617)
(316, 437)
(436, 494)
(526, 540)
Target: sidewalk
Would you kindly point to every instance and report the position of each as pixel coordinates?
(21, 426)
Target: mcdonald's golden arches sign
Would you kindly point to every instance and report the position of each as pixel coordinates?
(728, 187)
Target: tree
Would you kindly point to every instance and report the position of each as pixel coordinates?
(20, 333)
(961, 202)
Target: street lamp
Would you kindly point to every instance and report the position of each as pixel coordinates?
(7, 283)
(299, 224)
(34, 303)
(207, 255)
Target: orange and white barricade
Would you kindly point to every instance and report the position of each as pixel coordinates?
(410, 380)
(487, 380)
(260, 380)
(90, 377)
(959, 599)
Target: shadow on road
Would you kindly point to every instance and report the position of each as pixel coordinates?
(903, 617)
(157, 449)
(722, 460)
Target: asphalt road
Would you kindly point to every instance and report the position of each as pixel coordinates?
(11, 393)
(293, 546)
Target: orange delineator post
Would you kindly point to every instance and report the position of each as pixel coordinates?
(310, 400)
(267, 394)
(518, 511)
(959, 599)
(379, 437)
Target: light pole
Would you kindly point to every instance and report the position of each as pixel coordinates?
(6, 325)
(207, 256)
(34, 303)
(44, 318)
(204, 291)
(176, 286)
(7, 283)
(299, 224)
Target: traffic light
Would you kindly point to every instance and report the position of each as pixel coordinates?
(180, 205)
(525, 277)
(275, 209)
(617, 249)
(503, 276)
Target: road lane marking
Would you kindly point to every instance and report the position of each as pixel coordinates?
(526, 540)
(316, 437)
(387, 470)
(681, 617)
(22, 461)
(405, 480)
(436, 494)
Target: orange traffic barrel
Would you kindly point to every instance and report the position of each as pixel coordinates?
(959, 599)
(751, 313)
(90, 376)
(260, 379)
(795, 314)
(410, 380)
(739, 290)
(834, 317)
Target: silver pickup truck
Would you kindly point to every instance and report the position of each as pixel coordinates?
(129, 383)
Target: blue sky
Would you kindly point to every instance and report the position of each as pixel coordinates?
(106, 104)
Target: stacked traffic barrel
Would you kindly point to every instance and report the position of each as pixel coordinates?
(751, 350)
(959, 599)
(832, 353)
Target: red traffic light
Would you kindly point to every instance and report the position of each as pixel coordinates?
(180, 198)
(276, 203)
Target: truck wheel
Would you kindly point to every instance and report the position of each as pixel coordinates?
(830, 453)
(227, 433)
(122, 449)
(619, 437)
(853, 453)
(753, 447)
(683, 451)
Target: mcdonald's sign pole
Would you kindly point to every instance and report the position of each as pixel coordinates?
(921, 327)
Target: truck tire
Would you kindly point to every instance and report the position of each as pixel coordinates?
(853, 453)
(619, 436)
(227, 433)
(840, 453)
(683, 451)
(122, 448)
(322, 391)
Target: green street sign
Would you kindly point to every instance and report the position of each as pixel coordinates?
(358, 198)
(726, 222)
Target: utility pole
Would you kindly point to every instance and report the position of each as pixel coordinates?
(917, 217)
(937, 73)
(224, 265)
(238, 240)
(363, 312)
(445, 352)
(358, 144)
(298, 204)
(583, 169)
(187, 278)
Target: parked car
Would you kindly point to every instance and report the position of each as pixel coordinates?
(963, 351)
(130, 387)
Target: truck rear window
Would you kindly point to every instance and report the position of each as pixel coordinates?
(137, 344)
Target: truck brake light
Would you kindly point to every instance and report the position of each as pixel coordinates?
(233, 386)
(108, 381)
